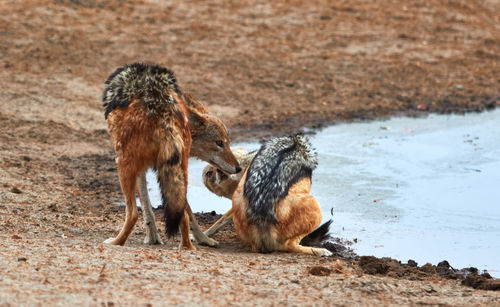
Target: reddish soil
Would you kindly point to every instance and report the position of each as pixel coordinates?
(265, 68)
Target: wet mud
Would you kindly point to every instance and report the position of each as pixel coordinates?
(470, 277)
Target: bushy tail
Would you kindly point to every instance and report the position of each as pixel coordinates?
(317, 237)
(173, 193)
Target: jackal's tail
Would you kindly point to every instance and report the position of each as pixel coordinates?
(320, 235)
(171, 172)
(173, 193)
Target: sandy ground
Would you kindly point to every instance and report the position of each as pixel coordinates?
(265, 69)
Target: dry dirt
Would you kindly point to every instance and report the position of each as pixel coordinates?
(265, 68)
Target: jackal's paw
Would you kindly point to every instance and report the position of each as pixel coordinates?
(203, 240)
(322, 252)
(111, 241)
(208, 241)
(187, 247)
(153, 240)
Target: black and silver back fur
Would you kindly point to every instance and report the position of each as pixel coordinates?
(149, 82)
(280, 163)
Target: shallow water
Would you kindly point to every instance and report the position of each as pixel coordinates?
(426, 189)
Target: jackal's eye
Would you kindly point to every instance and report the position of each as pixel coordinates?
(219, 143)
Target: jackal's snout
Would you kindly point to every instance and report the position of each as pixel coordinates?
(225, 166)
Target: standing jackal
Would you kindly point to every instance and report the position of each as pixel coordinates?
(152, 124)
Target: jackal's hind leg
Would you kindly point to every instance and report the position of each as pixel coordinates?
(198, 234)
(293, 246)
(127, 182)
(152, 233)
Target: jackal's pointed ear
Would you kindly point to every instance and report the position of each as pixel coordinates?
(196, 119)
(193, 103)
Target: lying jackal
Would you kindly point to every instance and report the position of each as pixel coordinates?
(272, 209)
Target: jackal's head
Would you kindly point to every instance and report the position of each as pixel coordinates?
(210, 142)
(223, 184)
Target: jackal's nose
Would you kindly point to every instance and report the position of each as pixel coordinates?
(238, 169)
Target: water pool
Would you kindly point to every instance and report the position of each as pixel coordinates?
(426, 189)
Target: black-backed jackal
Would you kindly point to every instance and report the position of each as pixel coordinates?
(272, 209)
(153, 124)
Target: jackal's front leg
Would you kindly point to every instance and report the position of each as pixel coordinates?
(152, 233)
(226, 218)
(293, 246)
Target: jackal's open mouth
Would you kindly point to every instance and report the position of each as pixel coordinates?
(209, 175)
(221, 175)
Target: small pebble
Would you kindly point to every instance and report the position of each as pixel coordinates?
(16, 190)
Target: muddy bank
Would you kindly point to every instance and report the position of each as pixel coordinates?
(371, 265)
(394, 268)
